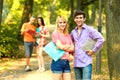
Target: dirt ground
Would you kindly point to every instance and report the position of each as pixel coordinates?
(16, 70)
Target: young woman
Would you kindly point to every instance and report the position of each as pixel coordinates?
(42, 34)
(61, 68)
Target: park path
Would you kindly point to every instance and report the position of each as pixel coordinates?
(33, 75)
(16, 70)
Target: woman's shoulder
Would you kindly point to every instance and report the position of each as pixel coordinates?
(54, 32)
(67, 35)
(44, 27)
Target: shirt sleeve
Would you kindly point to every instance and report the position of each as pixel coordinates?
(46, 30)
(23, 27)
(94, 34)
(70, 39)
(54, 37)
(71, 35)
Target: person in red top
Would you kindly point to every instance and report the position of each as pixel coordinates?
(28, 32)
(42, 34)
(61, 68)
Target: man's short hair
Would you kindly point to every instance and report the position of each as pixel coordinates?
(79, 12)
(33, 16)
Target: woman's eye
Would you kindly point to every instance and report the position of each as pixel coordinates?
(62, 22)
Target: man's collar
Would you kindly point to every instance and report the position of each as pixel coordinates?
(83, 26)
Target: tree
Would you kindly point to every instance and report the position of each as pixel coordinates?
(70, 19)
(1, 7)
(81, 4)
(27, 12)
(113, 39)
(51, 8)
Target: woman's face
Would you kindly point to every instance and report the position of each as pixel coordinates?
(39, 21)
(62, 24)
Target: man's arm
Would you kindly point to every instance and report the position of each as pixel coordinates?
(22, 29)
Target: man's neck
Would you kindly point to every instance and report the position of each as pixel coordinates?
(29, 23)
(79, 27)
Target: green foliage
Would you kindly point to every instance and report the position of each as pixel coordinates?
(71, 24)
(63, 2)
(8, 31)
(9, 43)
(8, 3)
(50, 11)
(9, 38)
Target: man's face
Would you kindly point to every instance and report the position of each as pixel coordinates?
(32, 20)
(79, 20)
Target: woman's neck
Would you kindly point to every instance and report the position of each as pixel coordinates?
(60, 31)
(40, 25)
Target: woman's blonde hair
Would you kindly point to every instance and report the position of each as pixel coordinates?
(57, 22)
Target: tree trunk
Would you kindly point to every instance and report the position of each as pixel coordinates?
(93, 16)
(72, 7)
(27, 12)
(79, 5)
(113, 39)
(71, 20)
(51, 9)
(1, 7)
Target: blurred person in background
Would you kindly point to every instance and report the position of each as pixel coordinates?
(28, 31)
(42, 33)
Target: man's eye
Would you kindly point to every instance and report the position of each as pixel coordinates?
(79, 17)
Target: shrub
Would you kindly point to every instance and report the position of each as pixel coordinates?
(9, 42)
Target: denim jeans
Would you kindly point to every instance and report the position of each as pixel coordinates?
(28, 48)
(60, 66)
(83, 73)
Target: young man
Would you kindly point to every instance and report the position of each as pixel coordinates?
(28, 30)
(79, 35)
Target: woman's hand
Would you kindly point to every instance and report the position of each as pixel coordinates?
(44, 35)
(37, 35)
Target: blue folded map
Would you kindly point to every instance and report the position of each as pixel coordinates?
(53, 52)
